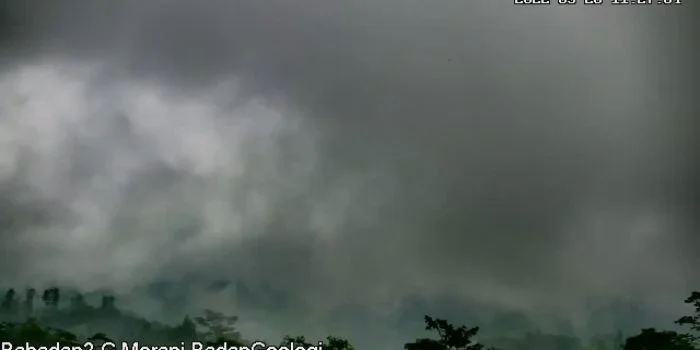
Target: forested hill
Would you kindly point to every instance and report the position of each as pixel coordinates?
(49, 317)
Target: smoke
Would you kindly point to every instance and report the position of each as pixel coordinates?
(348, 153)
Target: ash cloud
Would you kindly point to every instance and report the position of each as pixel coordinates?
(516, 156)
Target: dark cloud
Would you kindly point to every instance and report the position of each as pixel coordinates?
(518, 156)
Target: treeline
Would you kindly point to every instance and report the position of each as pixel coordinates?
(23, 320)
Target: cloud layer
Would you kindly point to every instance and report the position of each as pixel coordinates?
(515, 156)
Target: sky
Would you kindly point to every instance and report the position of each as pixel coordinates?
(351, 153)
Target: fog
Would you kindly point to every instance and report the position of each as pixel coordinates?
(350, 153)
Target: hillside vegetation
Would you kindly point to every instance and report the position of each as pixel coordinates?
(39, 321)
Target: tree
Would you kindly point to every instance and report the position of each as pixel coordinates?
(331, 343)
(108, 304)
(451, 337)
(217, 325)
(31, 332)
(335, 343)
(692, 321)
(51, 297)
(9, 302)
(187, 330)
(298, 341)
(651, 339)
(29, 301)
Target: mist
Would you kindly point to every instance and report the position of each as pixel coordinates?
(339, 153)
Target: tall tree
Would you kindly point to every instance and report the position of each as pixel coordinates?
(450, 337)
(51, 297)
(108, 303)
(9, 302)
(298, 341)
(651, 339)
(335, 343)
(187, 330)
(29, 301)
(218, 325)
(692, 321)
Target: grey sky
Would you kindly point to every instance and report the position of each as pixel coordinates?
(518, 156)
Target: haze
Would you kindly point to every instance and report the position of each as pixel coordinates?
(349, 152)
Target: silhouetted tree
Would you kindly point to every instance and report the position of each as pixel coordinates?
(298, 341)
(692, 321)
(108, 303)
(651, 339)
(451, 337)
(51, 297)
(335, 343)
(29, 301)
(331, 343)
(55, 297)
(217, 325)
(218, 328)
(187, 330)
(9, 302)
